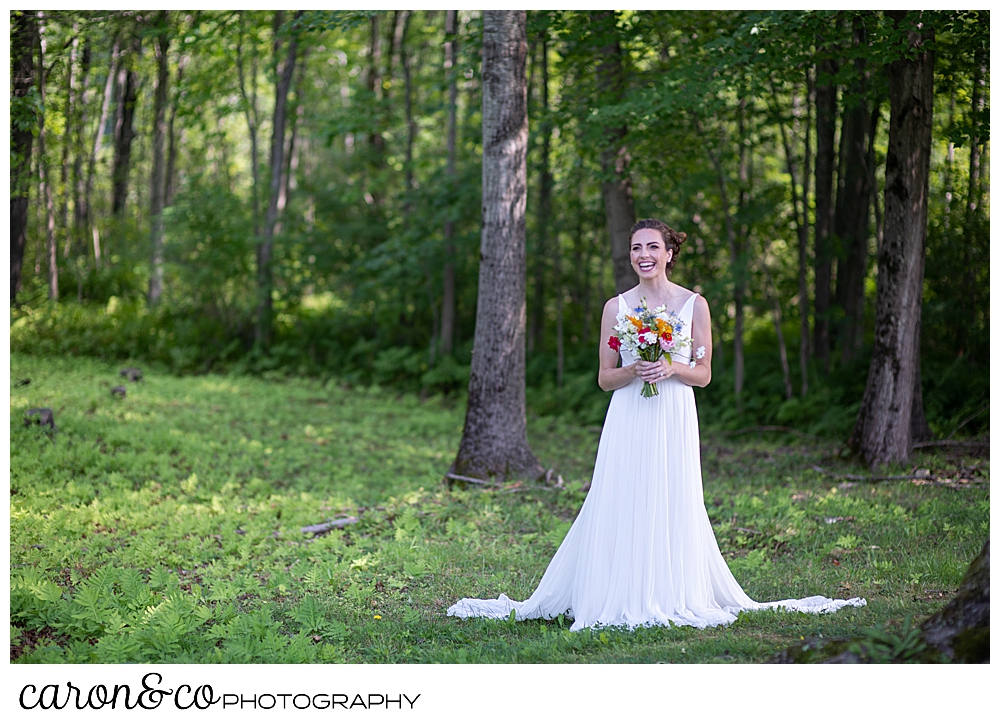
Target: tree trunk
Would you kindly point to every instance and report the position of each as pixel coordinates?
(44, 175)
(771, 291)
(970, 225)
(128, 92)
(826, 122)
(67, 143)
(158, 184)
(253, 123)
(284, 68)
(882, 433)
(173, 142)
(80, 123)
(616, 183)
(547, 247)
(494, 439)
(448, 295)
(96, 149)
(802, 232)
(736, 265)
(851, 219)
(22, 44)
(411, 124)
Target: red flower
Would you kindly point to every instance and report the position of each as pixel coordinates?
(615, 343)
(644, 330)
(670, 338)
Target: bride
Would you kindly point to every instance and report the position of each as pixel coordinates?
(641, 551)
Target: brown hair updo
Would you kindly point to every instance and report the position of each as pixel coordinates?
(671, 238)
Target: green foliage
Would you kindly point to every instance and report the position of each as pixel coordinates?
(165, 527)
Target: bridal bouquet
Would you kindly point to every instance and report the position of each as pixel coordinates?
(648, 334)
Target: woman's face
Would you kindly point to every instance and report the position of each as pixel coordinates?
(650, 254)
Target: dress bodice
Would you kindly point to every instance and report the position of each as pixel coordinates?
(682, 352)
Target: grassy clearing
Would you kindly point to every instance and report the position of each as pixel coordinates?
(165, 527)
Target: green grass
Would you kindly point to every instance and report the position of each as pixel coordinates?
(165, 528)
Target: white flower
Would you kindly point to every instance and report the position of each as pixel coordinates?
(691, 364)
(647, 338)
(700, 353)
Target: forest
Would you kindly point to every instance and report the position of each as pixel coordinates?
(297, 193)
(249, 257)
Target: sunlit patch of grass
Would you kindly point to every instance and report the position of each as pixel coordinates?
(166, 527)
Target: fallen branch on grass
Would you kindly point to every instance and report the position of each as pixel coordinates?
(321, 528)
(466, 479)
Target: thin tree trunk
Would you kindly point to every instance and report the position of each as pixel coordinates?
(43, 168)
(448, 296)
(970, 227)
(411, 124)
(735, 264)
(883, 431)
(173, 142)
(79, 124)
(253, 123)
(158, 181)
(536, 257)
(549, 247)
(616, 183)
(494, 439)
(802, 231)
(22, 44)
(96, 149)
(265, 280)
(851, 218)
(771, 291)
(826, 123)
(70, 116)
(128, 93)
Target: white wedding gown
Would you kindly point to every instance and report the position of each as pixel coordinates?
(641, 551)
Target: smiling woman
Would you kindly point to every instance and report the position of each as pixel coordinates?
(642, 551)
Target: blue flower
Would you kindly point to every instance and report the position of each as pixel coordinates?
(638, 309)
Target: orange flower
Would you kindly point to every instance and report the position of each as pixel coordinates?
(662, 327)
(634, 320)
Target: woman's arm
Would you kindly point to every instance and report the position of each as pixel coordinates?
(610, 376)
(701, 336)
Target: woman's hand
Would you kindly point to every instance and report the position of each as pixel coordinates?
(654, 372)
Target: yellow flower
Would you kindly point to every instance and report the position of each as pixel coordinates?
(663, 328)
(377, 617)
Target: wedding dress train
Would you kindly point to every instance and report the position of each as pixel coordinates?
(642, 551)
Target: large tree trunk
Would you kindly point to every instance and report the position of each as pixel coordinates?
(265, 279)
(616, 184)
(851, 219)
(826, 122)
(23, 39)
(128, 93)
(158, 182)
(494, 440)
(448, 295)
(882, 433)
